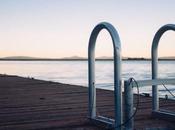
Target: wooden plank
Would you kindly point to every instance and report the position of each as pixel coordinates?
(27, 103)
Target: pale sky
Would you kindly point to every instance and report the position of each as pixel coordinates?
(61, 28)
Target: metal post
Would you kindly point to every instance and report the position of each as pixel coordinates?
(154, 55)
(117, 72)
(128, 98)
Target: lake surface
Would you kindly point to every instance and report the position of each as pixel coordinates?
(76, 72)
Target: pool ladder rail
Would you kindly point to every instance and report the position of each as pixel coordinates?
(117, 122)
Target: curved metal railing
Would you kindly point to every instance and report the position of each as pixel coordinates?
(117, 71)
(154, 57)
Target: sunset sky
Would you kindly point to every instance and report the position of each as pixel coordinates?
(61, 28)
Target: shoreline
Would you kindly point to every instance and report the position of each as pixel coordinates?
(129, 59)
(145, 94)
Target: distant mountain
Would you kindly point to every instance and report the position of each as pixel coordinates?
(109, 57)
(19, 57)
(28, 58)
(167, 57)
(104, 57)
(81, 58)
(74, 57)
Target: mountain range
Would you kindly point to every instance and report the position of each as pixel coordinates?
(80, 58)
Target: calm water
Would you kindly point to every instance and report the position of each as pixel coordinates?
(75, 72)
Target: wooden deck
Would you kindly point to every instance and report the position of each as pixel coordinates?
(26, 103)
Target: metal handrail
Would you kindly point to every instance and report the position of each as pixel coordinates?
(117, 72)
(129, 100)
(142, 83)
(154, 57)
